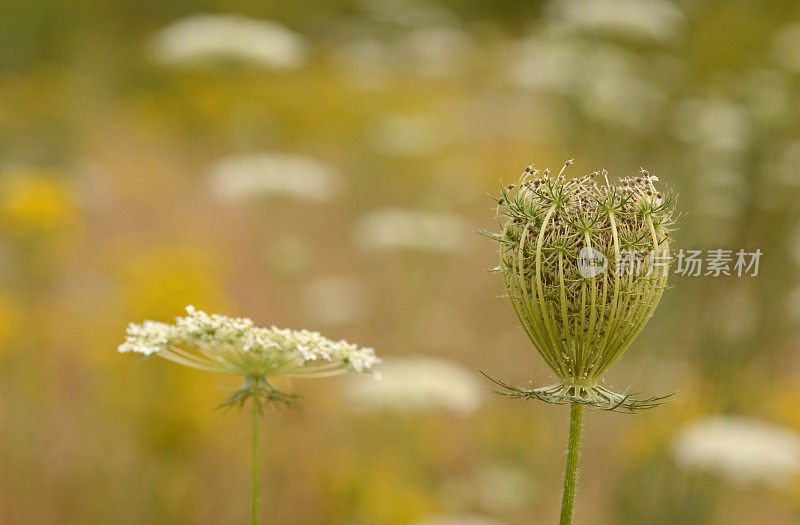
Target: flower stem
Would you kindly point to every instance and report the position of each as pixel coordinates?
(254, 480)
(571, 470)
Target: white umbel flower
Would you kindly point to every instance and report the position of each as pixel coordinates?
(228, 345)
(742, 450)
(217, 343)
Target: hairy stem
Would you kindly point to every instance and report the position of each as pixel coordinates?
(254, 480)
(571, 470)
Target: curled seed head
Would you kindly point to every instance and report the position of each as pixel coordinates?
(590, 269)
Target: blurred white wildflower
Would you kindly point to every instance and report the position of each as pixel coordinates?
(240, 177)
(335, 300)
(658, 21)
(227, 345)
(713, 124)
(793, 306)
(429, 51)
(459, 519)
(499, 488)
(409, 13)
(408, 136)
(769, 94)
(784, 164)
(502, 488)
(736, 314)
(441, 324)
(720, 206)
(366, 61)
(722, 189)
(607, 81)
(407, 229)
(539, 63)
(786, 47)
(418, 384)
(436, 51)
(614, 91)
(289, 256)
(496, 114)
(8, 262)
(794, 244)
(206, 38)
(742, 450)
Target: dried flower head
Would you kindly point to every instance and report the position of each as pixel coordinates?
(217, 343)
(585, 265)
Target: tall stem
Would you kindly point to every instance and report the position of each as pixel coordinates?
(571, 470)
(254, 479)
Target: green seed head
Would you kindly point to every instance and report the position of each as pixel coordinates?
(585, 264)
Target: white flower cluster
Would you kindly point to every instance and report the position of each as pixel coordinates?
(218, 343)
(147, 338)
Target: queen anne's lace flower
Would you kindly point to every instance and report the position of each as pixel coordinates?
(228, 345)
(585, 266)
(232, 345)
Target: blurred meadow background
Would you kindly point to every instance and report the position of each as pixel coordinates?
(325, 165)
